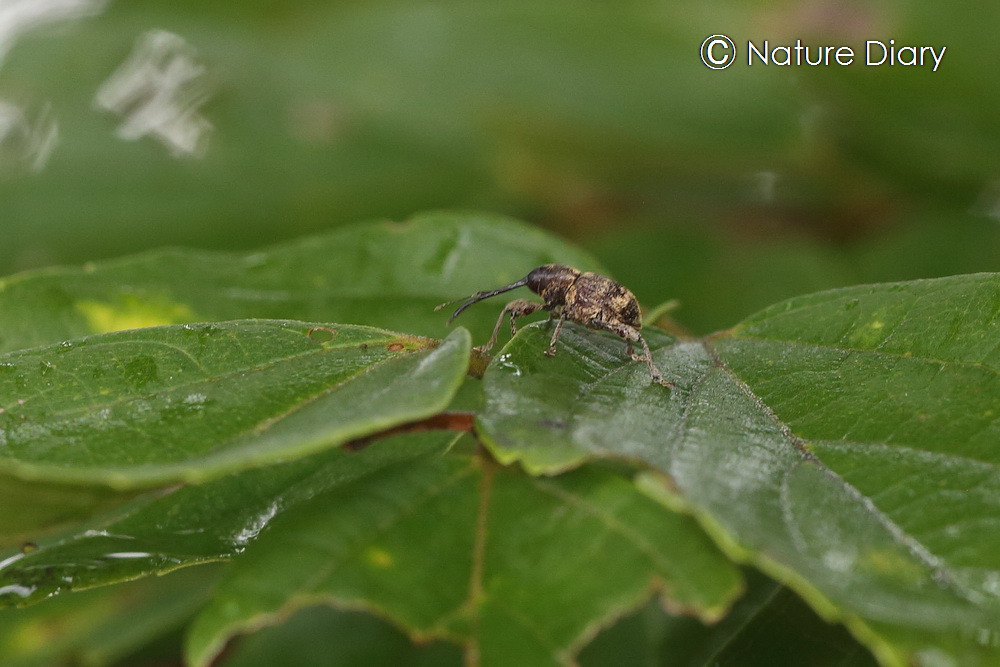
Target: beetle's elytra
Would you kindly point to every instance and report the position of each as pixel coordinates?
(590, 299)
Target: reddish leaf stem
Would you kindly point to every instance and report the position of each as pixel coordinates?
(443, 421)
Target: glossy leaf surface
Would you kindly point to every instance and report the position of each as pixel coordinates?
(514, 568)
(104, 626)
(845, 441)
(145, 407)
(195, 524)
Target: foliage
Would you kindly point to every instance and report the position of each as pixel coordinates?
(319, 468)
(842, 442)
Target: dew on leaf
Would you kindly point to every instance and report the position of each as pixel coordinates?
(504, 362)
(196, 400)
(250, 532)
(128, 555)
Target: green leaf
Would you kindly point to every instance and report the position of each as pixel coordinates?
(383, 274)
(515, 568)
(101, 627)
(770, 623)
(29, 506)
(195, 524)
(763, 628)
(650, 636)
(147, 407)
(843, 441)
(320, 636)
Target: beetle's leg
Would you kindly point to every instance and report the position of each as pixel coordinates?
(516, 308)
(520, 308)
(555, 335)
(654, 372)
(496, 332)
(523, 308)
(632, 335)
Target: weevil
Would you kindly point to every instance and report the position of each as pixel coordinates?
(590, 299)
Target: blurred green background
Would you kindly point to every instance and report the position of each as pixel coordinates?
(727, 189)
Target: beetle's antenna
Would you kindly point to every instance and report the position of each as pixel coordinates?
(479, 296)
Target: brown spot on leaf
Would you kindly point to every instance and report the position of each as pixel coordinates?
(322, 334)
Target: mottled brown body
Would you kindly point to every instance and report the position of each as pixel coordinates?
(598, 299)
(590, 299)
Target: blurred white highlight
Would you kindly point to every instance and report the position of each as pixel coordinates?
(29, 141)
(19, 16)
(25, 141)
(988, 202)
(766, 184)
(158, 91)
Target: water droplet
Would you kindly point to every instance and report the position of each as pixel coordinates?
(256, 524)
(196, 400)
(125, 555)
(503, 361)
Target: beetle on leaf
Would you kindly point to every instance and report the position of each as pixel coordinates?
(590, 299)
